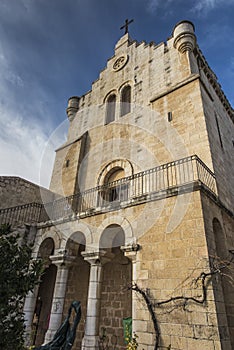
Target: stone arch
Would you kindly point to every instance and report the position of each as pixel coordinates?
(74, 243)
(112, 236)
(117, 275)
(83, 229)
(122, 86)
(44, 297)
(50, 234)
(115, 220)
(124, 164)
(46, 248)
(112, 92)
(78, 280)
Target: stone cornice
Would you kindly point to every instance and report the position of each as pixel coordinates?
(68, 144)
(203, 66)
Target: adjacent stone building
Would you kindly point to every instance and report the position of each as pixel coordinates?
(144, 192)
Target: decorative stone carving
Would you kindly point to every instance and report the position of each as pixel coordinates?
(120, 62)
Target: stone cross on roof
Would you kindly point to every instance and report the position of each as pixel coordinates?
(125, 26)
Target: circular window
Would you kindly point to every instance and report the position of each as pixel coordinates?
(120, 62)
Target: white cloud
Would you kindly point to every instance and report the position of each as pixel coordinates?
(203, 6)
(25, 148)
(21, 147)
(7, 74)
(200, 7)
(25, 123)
(153, 5)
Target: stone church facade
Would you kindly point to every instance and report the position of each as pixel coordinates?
(142, 197)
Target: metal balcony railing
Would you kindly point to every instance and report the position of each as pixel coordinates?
(26, 213)
(169, 179)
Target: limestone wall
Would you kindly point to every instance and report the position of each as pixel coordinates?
(64, 176)
(173, 253)
(164, 82)
(17, 191)
(77, 289)
(171, 117)
(151, 70)
(220, 128)
(220, 241)
(116, 300)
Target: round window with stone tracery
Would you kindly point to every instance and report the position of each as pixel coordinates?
(120, 62)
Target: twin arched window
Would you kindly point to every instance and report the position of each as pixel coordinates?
(125, 104)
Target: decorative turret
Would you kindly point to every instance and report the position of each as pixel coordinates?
(184, 37)
(73, 106)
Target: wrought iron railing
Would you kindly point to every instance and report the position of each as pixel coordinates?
(162, 181)
(26, 213)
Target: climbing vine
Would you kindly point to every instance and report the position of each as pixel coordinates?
(203, 280)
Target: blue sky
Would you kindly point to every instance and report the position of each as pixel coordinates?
(53, 49)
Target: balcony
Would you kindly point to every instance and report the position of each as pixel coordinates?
(170, 179)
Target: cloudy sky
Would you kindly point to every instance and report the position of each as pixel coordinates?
(53, 49)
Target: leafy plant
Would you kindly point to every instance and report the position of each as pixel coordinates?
(18, 275)
(131, 340)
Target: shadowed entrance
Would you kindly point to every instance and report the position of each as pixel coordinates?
(116, 300)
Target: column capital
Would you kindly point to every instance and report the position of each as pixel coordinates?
(130, 250)
(62, 260)
(97, 258)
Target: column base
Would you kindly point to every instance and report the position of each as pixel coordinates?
(90, 342)
(28, 336)
(49, 336)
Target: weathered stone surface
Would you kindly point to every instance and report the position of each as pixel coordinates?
(164, 242)
(17, 191)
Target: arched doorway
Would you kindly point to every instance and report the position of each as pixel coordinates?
(78, 281)
(45, 293)
(116, 300)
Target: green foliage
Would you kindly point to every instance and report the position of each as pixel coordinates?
(133, 344)
(18, 275)
(131, 340)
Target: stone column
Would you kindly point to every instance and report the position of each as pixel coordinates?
(130, 251)
(29, 307)
(62, 262)
(91, 337)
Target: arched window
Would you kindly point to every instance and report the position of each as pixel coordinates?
(113, 188)
(125, 100)
(110, 108)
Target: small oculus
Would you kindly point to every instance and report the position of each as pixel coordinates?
(120, 62)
